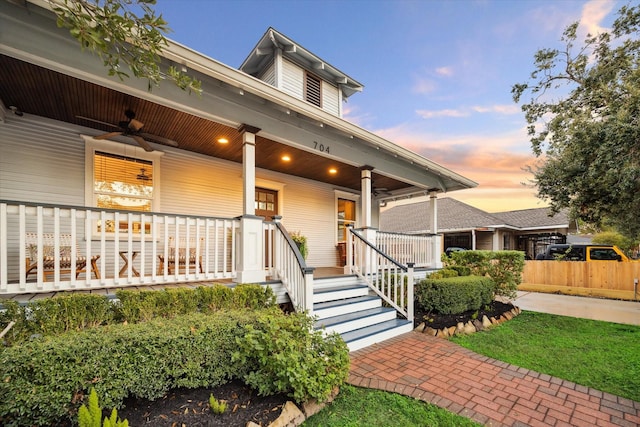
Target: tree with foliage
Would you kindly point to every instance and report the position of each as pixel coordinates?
(123, 32)
(583, 119)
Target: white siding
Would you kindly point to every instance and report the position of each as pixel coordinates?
(292, 79)
(330, 99)
(268, 75)
(43, 161)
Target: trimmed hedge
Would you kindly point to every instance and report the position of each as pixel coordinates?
(504, 267)
(453, 295)
(74, 312)
(43, 381)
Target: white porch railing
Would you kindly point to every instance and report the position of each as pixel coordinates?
(406, 248)
(389, 279)
(128, 248)
(288, 266)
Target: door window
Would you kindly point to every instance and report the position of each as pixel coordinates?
(346, 215)
(266, 203)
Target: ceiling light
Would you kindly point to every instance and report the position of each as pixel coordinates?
(286, 158)
(333, 171)
(223, 140)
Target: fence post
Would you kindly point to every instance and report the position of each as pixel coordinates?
(410, 291)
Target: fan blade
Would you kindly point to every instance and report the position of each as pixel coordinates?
(160, 139)
(107, 135)
(142, 143)
(97, 121)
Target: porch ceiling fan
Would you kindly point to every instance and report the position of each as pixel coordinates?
(133, 129)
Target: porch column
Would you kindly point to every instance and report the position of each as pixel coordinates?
(251, 243)
(365, 180)
(368, 232)
(436, 249)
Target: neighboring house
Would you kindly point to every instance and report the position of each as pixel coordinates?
(467, 227)
(162, 186)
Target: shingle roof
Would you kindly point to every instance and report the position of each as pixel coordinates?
(528, 218)
(456, 215)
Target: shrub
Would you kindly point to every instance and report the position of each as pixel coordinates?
(40, 378)
(214, 298)
(504, 267)
(51, 316)
(64, 313)
(43, 381)
(285, 354)
(454, 295)
(444, 273)
(253, 296)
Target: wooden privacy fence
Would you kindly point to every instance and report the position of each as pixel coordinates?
(603, 279)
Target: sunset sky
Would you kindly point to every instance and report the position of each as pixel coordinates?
(437, 75)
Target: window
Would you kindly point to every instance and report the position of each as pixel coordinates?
(346, 216)
(121, 177)
(266, 203)
(312, 90)
(121, 182)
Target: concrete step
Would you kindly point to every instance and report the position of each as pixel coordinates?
(347, 322)
(328, 309)
(364, 337)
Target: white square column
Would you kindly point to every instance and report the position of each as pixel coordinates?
(436, 249)
(250, 266)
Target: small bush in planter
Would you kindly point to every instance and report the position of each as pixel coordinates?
(301, 242)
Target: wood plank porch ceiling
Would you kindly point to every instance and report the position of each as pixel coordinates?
(42, 92)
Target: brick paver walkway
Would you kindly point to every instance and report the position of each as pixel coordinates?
(488, 391)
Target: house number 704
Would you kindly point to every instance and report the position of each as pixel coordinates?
(321, 147)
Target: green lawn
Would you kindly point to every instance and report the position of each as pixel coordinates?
(602, 355)
(356, 406)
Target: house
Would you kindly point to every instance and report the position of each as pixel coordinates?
(160, 186)
(467, 227)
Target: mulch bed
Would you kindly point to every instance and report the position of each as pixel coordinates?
(190, 408)
(439, 321)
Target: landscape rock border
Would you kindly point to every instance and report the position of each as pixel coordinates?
(293, 416)
(470, 327)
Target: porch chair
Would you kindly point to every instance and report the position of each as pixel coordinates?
(182, 255)
(48, 256)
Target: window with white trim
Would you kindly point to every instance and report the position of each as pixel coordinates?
(121, 177)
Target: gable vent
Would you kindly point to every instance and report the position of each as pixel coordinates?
(312, 90)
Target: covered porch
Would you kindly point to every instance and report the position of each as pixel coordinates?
(107, 184)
